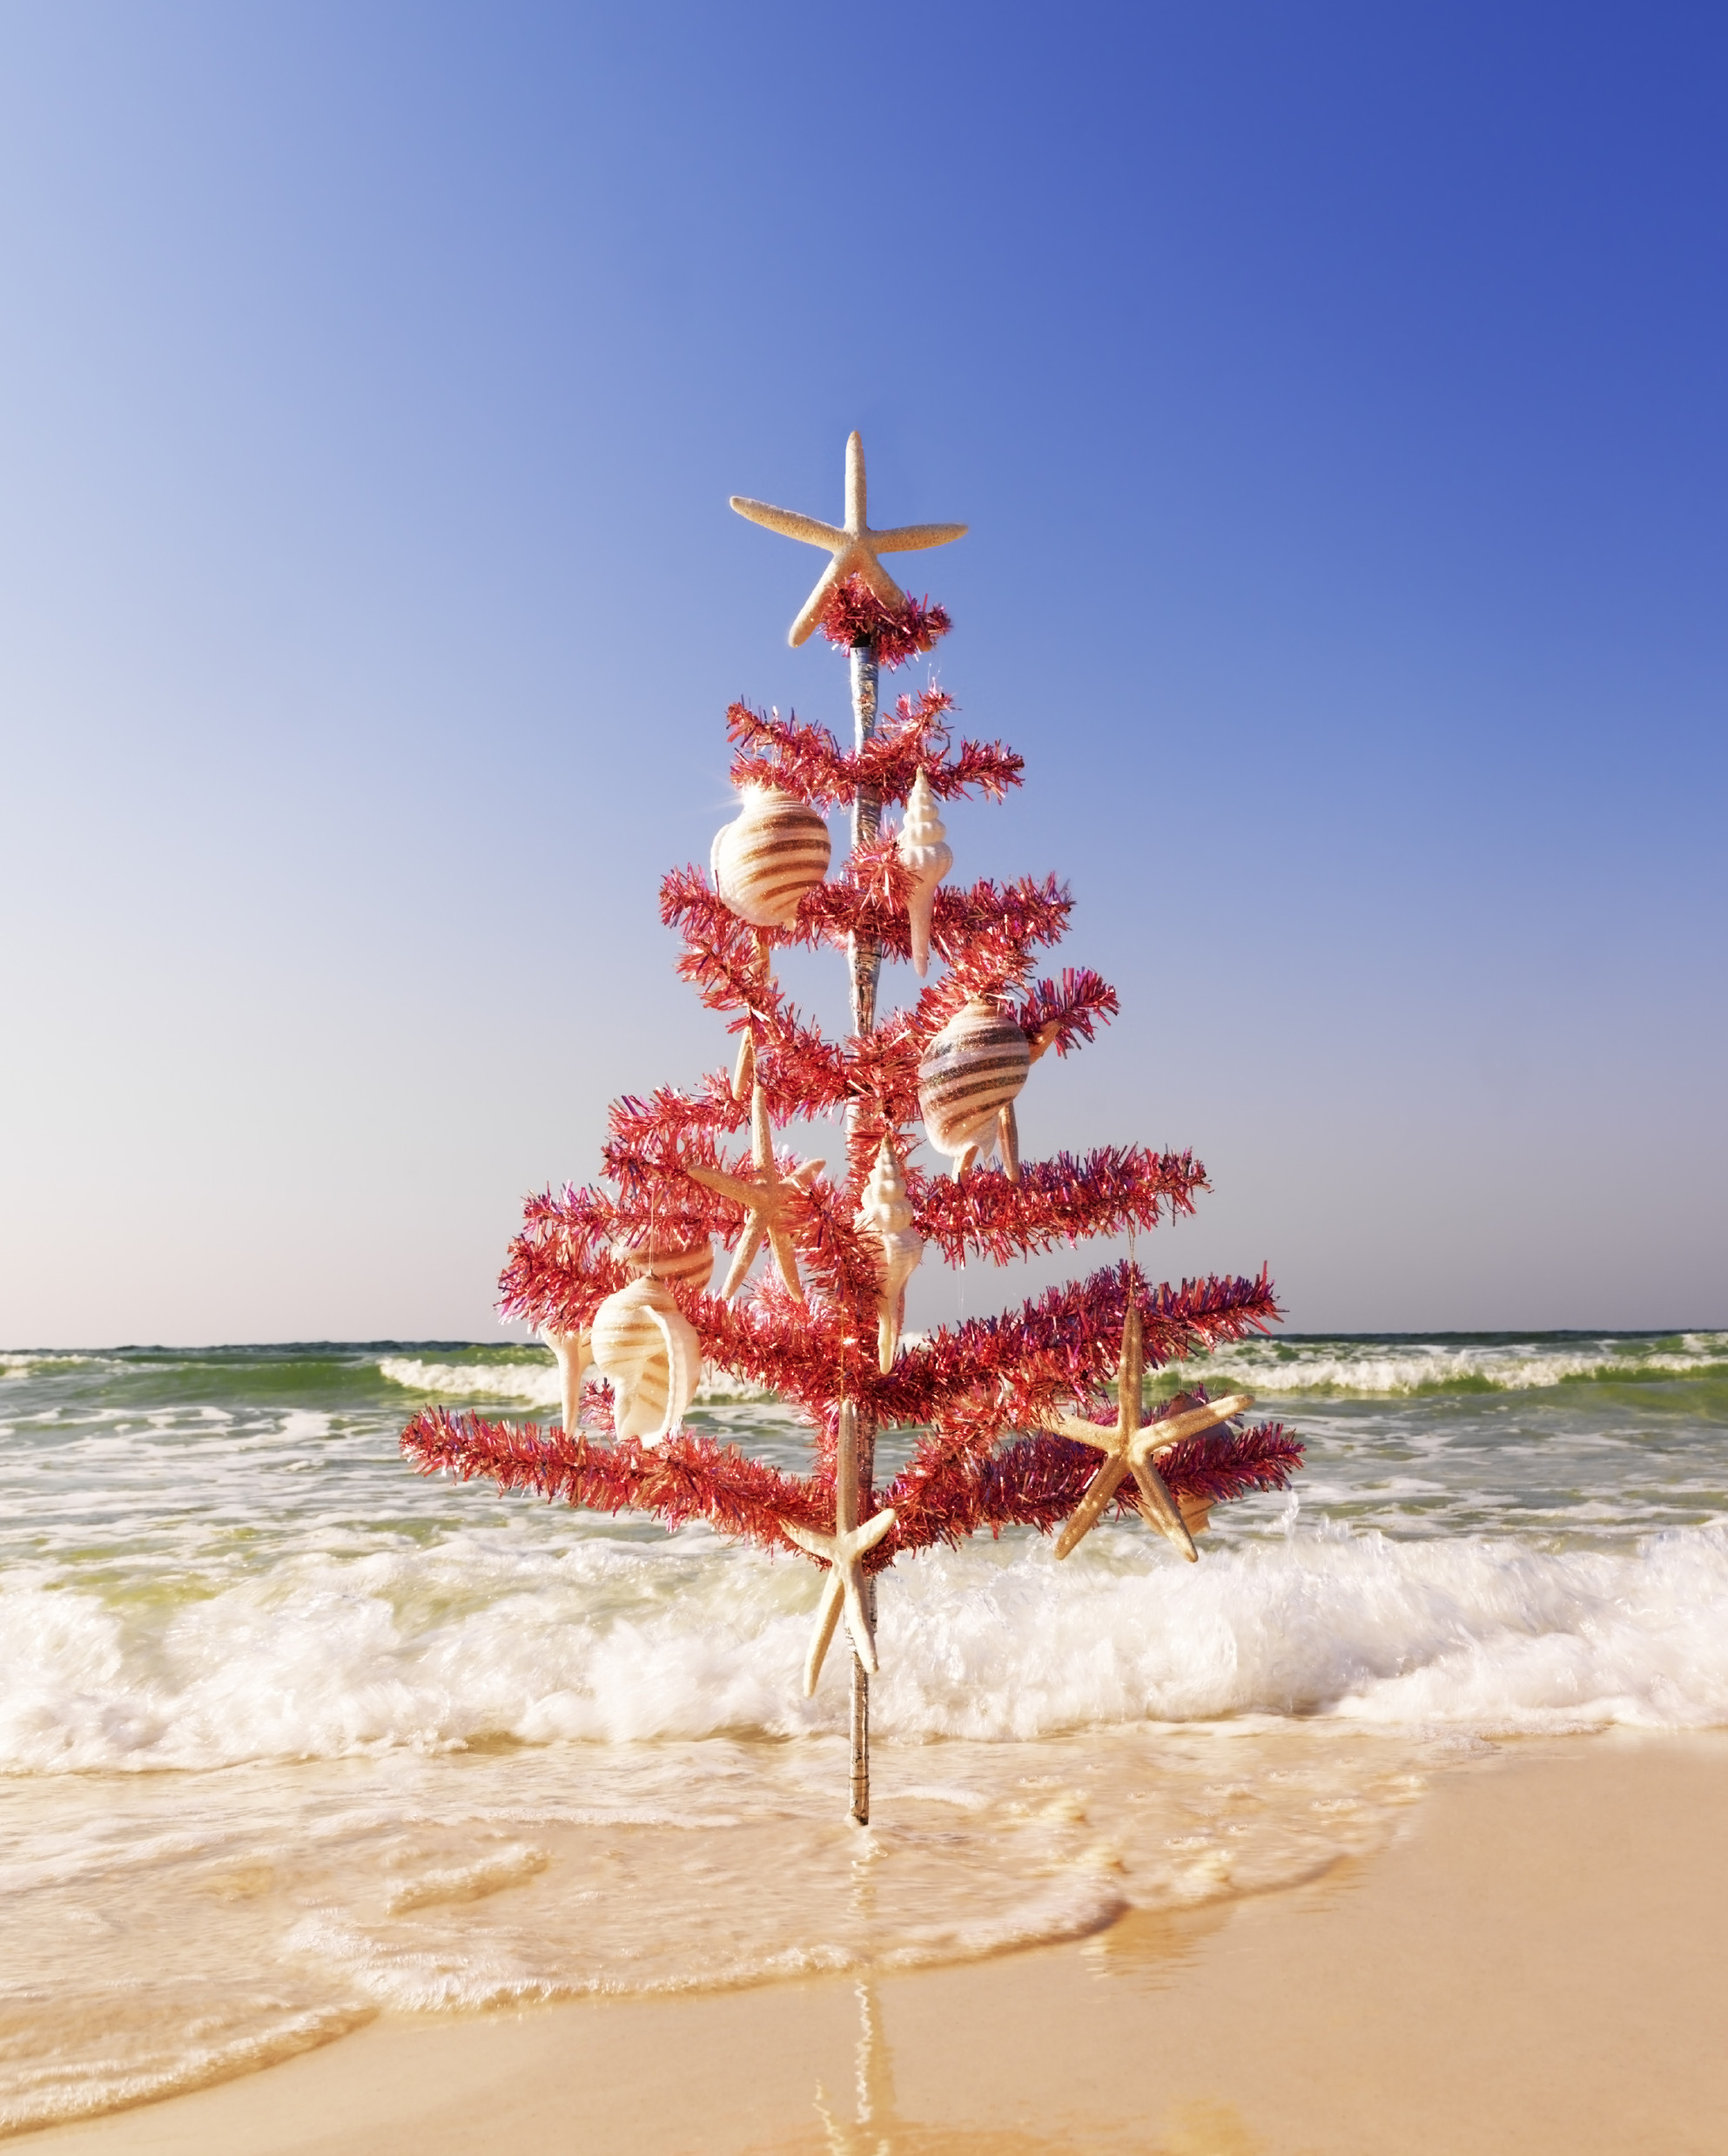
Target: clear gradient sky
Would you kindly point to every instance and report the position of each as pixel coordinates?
(1336, 396)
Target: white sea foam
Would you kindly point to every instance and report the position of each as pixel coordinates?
(1364, 1368)
(539, 1385)
(481, 1638)
(171, 2055)
(1368, 1369)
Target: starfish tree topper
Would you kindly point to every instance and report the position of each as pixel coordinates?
(853, 545)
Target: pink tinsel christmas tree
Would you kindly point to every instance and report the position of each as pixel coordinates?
(1005, 1411)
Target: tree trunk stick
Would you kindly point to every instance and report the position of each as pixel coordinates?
(866, 959)
(858, 1433)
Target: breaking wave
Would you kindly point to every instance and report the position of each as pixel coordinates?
(480, 1639)
(1390, 1367)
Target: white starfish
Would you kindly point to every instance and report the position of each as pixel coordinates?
(853, 545)
(763, 1194)
(843, 1553)
(1128, 1449)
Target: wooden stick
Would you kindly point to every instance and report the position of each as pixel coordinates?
(852, 1468)
(858, 1433)
(866, 956)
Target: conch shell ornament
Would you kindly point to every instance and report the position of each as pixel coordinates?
(968, 1079)
(886, 1211)
(772, 852)
(651, 1352)
(925, 855)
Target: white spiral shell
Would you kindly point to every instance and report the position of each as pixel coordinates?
(884, 1205)
(669, 1256)
(574, 1354)
(886, 1211)
(651, 1350)
(764, 860)
(924, 854)
(973, 1068)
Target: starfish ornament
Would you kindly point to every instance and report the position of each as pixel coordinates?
(843, 1553)
(853, 545)
(1128, 1449)
(765, 1194)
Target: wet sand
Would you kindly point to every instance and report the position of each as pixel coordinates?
(1539, 1963)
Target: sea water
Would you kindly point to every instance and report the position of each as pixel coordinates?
(289, 1736)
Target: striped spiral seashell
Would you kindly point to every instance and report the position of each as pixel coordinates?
(649, 1350)
(924, 854)
(970, 1072)
(764, 860)
(886, 1211)
(670, 1256)
(574, 1354)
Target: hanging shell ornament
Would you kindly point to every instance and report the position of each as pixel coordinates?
(969, 1078)
(925, 855)
(649, 1350)
(574, 1354)
(683, 1255)
(772, 852)
(887, 1212)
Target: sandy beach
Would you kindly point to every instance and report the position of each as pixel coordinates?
(1534, 1965)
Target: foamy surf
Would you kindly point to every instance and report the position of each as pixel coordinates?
(288, 1735)
(479, 1641)
(1377, 1368)
(536, 1384)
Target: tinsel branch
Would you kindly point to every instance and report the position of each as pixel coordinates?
(986, 932)
(976, 1381)
(1059, 1200)
(808, 762)
(1037, 1482)
(1057, 1015)
(559, 1267)
(687, 1478)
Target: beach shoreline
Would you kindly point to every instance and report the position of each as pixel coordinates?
(1531, 1964)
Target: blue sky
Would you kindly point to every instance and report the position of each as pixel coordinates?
(1335, 396)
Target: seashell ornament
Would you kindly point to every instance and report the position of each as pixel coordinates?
(924, 854)
(764, 860)
(649, 1350)
(574, 1354)
(887, 1212)
(686, 1258)
(969, 1078)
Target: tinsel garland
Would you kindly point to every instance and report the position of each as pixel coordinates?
(855, 615)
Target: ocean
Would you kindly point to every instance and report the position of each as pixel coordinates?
(289, 1736)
